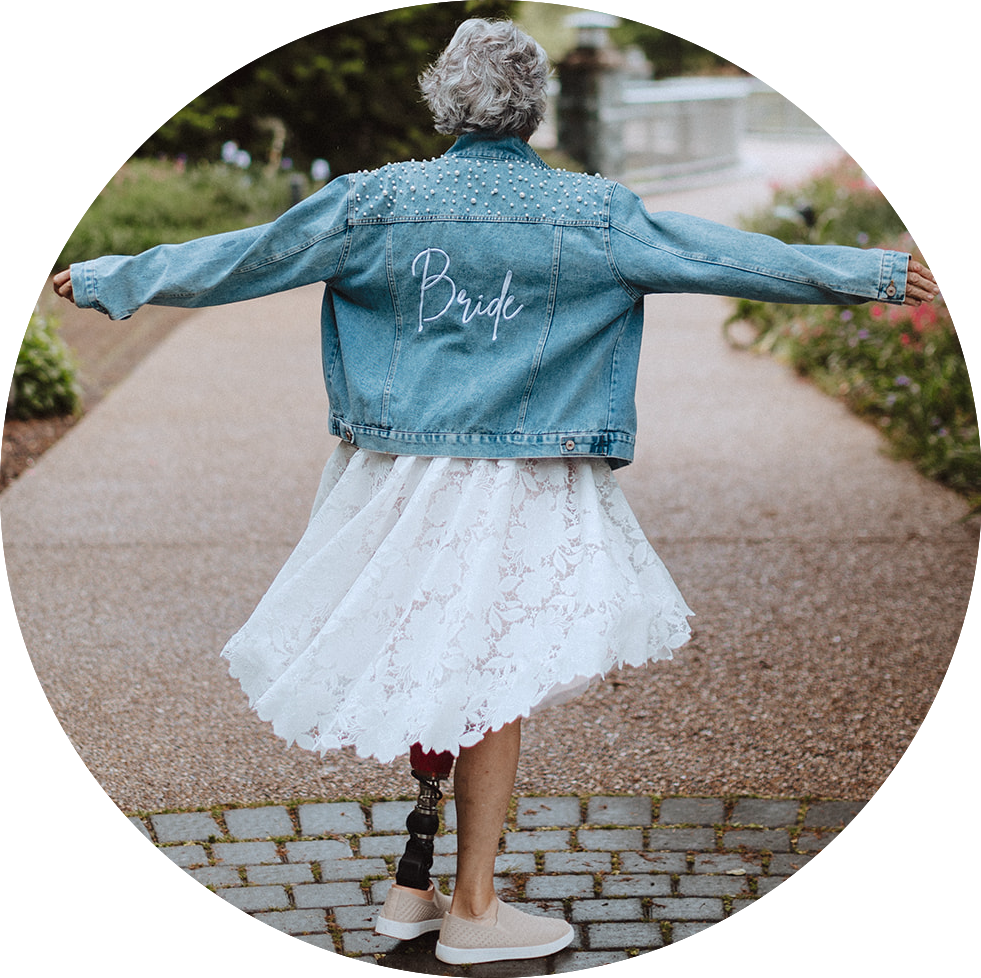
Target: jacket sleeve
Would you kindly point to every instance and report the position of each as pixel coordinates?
(670, 252)
(306, 244)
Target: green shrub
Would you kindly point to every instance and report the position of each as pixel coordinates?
(150, 202)
(44, 381)
(898, 366)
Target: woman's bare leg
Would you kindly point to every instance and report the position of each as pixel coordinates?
(482, 786)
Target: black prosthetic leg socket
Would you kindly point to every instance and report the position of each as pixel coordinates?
(423, 824)
(414, 866)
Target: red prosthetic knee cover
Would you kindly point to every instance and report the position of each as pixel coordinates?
(435, 764)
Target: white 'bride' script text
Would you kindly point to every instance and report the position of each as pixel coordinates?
(497, 309)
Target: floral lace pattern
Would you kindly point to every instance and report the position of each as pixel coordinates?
(433, 599)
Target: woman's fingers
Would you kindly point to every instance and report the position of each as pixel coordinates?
(921, 286)
(62, 284)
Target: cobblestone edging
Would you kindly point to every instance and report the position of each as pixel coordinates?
(631, 873)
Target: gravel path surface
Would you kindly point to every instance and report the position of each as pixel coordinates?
(829, 582)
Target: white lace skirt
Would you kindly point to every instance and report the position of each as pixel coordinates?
(432, 600)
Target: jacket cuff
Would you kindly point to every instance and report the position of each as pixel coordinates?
(85, 291)
(892, 276)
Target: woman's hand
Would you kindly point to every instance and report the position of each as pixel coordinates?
(62, 284)
(921, 286)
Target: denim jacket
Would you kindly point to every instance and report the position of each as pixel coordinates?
(483, 304)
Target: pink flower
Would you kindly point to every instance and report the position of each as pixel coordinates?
(923, 318)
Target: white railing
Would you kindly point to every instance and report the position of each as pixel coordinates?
(643, 132)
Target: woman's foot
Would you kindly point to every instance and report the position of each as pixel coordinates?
(506, 934)
(410, 913)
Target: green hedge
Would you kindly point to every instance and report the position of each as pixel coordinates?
(44, 382)
(901, 367)
(150, 202)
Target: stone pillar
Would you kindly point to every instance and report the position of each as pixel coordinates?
(590, 82)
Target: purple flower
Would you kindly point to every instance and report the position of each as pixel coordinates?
(903, 381)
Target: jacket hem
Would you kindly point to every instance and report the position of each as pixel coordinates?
(616, 447)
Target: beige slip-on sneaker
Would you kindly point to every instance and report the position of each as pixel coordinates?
(514, 935)
(406, 915)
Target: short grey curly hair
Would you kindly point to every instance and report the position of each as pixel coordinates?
(491, 78)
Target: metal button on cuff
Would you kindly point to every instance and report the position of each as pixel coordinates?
(891, 289)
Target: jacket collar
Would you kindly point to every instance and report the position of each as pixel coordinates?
(490, 146)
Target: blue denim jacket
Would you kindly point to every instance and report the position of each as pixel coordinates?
(483, 304)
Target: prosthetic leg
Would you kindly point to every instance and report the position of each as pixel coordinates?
(428, 768)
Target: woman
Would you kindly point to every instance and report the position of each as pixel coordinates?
(470, 557)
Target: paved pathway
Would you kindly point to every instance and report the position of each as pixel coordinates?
(631, 873)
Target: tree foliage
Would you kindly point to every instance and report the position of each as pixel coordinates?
(347, 94)
(670, 55)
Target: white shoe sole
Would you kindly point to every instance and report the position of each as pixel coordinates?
(480, 955)
(404, 931)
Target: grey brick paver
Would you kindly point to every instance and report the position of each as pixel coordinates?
(185, 827)
(625, 935)
(687, 908)
(762, 811)
(578, 862)
(619, 811)
(356, 918)
(653, 862)
(611, 840)
(776, 840)
(681, 840)
(390, 816)
(296, 921)
(554, 839)
(245, 853)
(767, 884)
(186, 856)
(727, 862)
(318, 850)
(783, 864)
(832, 814)
(639, 886)
(368, 942)
(814, 841)
(559, 887)
(382, 845)
(256, 897)
(515, 862)
(352, 869)
(586, 911)
(347, 894)
(691, 811)
(216, 875)
(567, 961)
(687, 928)
(708, 886)
(323, 941)
(332, 818)
(543, 812)
(280, 873)
(259, 823)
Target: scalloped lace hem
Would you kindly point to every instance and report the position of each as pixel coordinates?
(432, 600)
